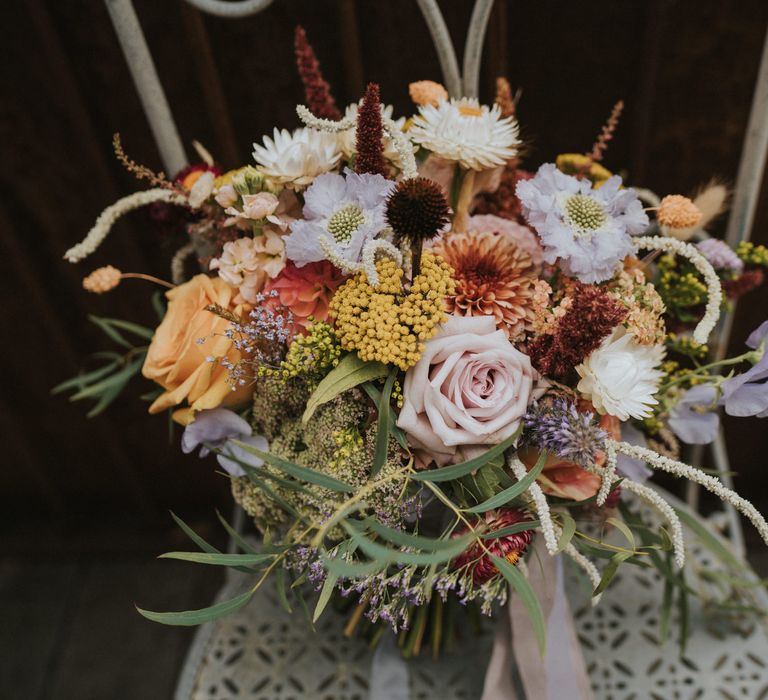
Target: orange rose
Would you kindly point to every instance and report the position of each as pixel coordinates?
(564, 479)
(176, 360)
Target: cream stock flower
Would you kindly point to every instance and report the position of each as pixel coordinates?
(249, 263)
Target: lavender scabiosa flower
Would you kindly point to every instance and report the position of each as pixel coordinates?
(746, 394)
(589, 231)
(215, 428)
(561, 428)
(720, 255)
(694, 418)
(341, 214)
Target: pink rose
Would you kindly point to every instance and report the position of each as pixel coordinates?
(470, 389)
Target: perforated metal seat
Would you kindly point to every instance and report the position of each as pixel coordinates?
(263, 653)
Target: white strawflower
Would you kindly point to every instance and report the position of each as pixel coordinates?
(621, 377)
(476, 136)
(295, 159)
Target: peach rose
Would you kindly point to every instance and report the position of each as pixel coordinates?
(178, 363)
(470, 389)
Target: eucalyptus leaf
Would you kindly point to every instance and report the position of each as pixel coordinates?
(382, 553)
(219, 559)
(610, 570)
(622, 527)
(455, 471)
(375, 395)
(527, 596)
(325, 595)
(405, 539)
(383, 422)
(197, 617)
(512, 529)
(513, 491)
(235, 536)
(350, 372)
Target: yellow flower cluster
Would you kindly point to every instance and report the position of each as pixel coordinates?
(348, 442)
(577, 164)
(311, 356)
(387, 324)
(752, 254)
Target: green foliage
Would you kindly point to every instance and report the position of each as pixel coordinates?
(105, 384)
(350, 372)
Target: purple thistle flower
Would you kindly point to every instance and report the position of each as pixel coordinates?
(561, 428)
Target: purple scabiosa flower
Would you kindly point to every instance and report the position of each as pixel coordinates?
(588, 230)
(720, 255)
(694, 418)
(344, 211)
(630, 467)
(214, 429)
(561, 428)
(746, 394)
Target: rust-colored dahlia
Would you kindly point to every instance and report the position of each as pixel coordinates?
(494, 277)
(509, 547)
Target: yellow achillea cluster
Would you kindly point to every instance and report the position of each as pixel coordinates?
(386, 323)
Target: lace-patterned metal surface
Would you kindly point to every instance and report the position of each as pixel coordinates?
(262, 653)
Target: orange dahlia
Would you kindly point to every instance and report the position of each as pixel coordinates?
(494, 277)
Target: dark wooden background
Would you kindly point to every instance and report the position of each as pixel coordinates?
(685, 68)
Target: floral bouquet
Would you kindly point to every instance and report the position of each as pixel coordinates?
(418, 362)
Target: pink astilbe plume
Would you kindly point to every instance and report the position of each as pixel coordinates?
(606, 134)
(317, 90)
(370, 133)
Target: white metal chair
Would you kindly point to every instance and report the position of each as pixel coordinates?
(255, 653)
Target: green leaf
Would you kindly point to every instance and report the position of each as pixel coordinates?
(350, 372)
(109, 331)
(455, 471)
(622, 527)
(382, 425)
(219, 559)
(407, 540)
(82, 380)
(235, 535)
(297, 471)
(513, 491)
(528, 597)
(569, 529)
(137, 330)
(512, 529)
(281, 593)
(189, 532)
(197, 617)
(117, 379)
(712, 543)
(200, 542)
(383, 554)
(338, 567)
(610, 570)
(375, 395)
(325, 596)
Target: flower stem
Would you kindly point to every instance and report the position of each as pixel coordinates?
(148, 278)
